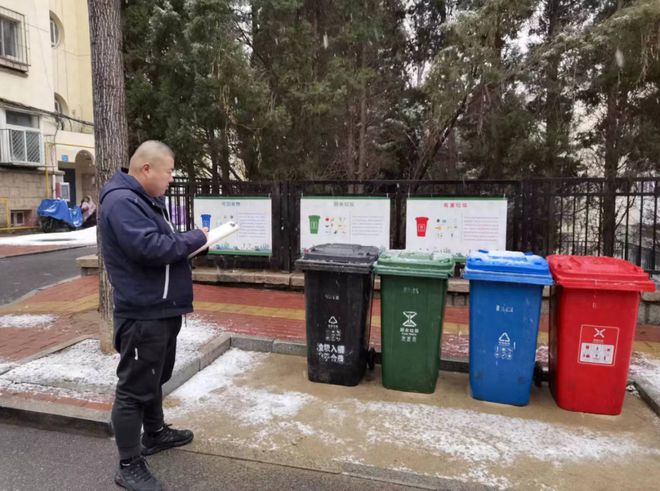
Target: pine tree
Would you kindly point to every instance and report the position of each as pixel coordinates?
(110, 130)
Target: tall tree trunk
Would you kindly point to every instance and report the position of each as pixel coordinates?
(225, 155)
(110, 130)
(495, 106)
(611, 156)
(432, 144)
(350, 143)
(362, 143)
(552, 93)
(610, 171)
(254, 30)
(214, 155)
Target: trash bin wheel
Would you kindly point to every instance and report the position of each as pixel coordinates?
(538, 374)
(371, 358)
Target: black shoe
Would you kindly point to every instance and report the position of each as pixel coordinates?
(166, 438)
(136, 476)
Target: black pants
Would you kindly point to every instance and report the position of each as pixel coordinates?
(147, 351)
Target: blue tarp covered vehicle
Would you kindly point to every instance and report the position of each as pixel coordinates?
(55, 214)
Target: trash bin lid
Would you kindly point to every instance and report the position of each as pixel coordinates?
(348, 258)
(508, 266)
(599, 272)
(414, 263)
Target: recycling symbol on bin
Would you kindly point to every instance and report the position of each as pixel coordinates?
(409, 319)
(333, 320)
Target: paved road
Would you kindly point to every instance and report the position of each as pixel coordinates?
(22, 274)
(50, 460)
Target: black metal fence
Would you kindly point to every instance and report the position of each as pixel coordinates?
(546, 216)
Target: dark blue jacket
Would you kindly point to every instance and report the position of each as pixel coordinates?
(146, 260)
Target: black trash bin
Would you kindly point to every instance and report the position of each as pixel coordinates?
(339, 282)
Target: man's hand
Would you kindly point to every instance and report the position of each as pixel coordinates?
(206, 232)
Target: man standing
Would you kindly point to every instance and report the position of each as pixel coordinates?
(147, 264)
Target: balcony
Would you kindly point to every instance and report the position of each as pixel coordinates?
(21, 146)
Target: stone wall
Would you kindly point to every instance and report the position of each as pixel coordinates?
(25, 189)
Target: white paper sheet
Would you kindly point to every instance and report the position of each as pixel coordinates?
(216, 235)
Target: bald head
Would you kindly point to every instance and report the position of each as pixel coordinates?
(150, 151)
(152, 165)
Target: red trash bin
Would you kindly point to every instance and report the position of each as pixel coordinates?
(593, 317)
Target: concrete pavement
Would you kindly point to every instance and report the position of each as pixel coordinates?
(261, 407)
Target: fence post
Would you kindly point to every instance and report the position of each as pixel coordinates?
(292, 224)
(189, 200)
(281, 227)
(550, 230)
(609, 216)
(398, 241)
(518, 217)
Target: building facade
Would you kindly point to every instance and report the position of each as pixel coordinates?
(46, 112)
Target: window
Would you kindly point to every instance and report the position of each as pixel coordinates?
(60, 105)
(13, 40)
(65, 191)
(25, 142)
(18, 218)
(8, 38)
(15, 118)
(55, 30)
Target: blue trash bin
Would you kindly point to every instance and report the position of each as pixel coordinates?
(506, 290)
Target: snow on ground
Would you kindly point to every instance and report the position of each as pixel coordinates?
(83, 367)
(26, 321)
(83, 237)
(483, 440)
(79, 366)
(194, 334)
(646, 370)
(488, 438)
(215, 387)
(5, 365)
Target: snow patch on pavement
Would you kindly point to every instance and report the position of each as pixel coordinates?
(83, 367)
(489, 438)
(210, 383)
(80, 366)
(26, 321)
(194, 334)
(215, 388)
(83, 237)
(646, 370)
(5, 366)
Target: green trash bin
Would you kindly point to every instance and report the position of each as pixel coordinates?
(412, 304)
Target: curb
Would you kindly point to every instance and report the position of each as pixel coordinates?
(56, 347)
(649, 396)
(32, 253)
(403, 478)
